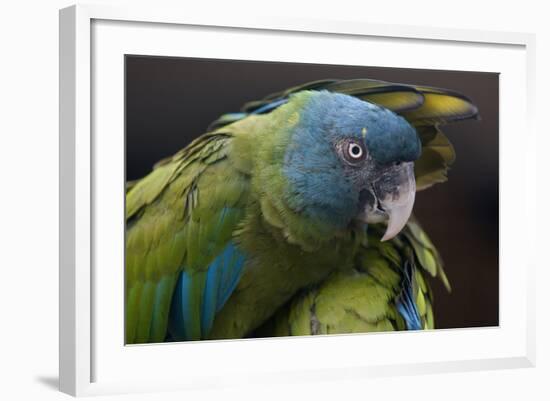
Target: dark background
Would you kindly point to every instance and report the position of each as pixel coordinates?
(170, 101)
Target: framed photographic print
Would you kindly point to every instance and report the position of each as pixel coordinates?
(241, 191)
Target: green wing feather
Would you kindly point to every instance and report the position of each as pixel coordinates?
(441, 106)
(437, 156)
(173, 220)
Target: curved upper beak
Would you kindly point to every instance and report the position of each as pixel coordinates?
(393, 194)
(399, 208)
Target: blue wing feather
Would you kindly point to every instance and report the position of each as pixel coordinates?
(234, 262)
(221, 279)
(176, 326)
(406, 305)
(270, 106)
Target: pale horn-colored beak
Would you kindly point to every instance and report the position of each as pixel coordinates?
(390, 199)
(398, 201)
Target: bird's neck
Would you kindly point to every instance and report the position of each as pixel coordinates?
(269, 148)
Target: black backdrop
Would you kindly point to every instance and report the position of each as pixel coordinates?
(170, 101)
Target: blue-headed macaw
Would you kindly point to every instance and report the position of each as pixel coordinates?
(292, 217)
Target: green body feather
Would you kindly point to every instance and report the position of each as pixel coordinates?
(363, 297)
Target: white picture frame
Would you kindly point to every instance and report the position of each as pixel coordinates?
(91, 359)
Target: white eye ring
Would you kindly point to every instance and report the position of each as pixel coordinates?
(355, 151)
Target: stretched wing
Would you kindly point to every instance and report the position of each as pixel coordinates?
(426, 108)
(385, 291)
(182, 260)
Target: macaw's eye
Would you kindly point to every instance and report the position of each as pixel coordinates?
(353, 152)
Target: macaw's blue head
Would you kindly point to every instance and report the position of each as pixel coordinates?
(350, 160)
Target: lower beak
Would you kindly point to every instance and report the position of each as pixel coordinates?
(394, 195)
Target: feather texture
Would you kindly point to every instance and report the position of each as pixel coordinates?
(384, 291)
(427, 108)
(181, 220)
(218, 238)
